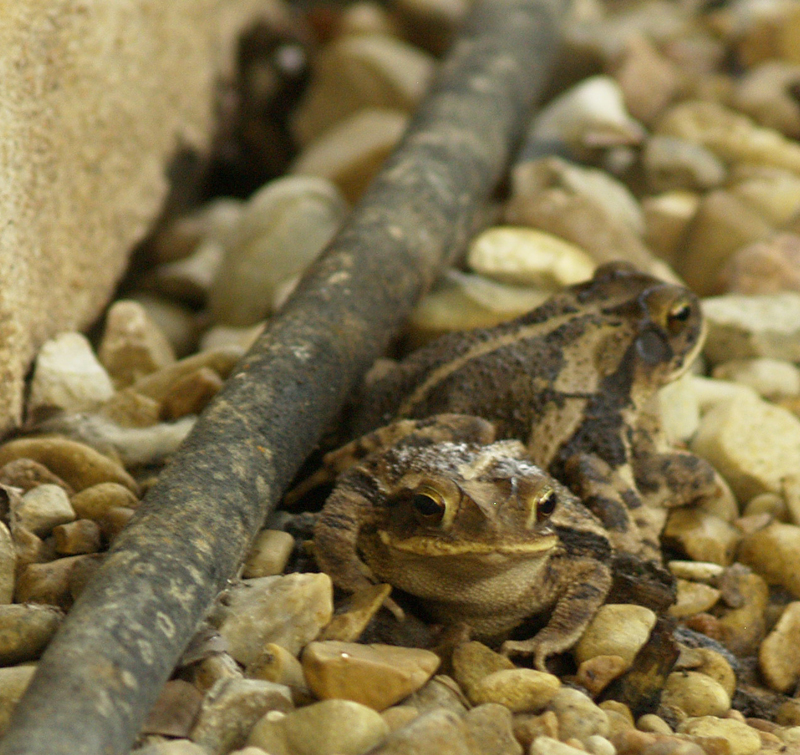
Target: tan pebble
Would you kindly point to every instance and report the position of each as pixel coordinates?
(472, 661)
(132, 345)
(549, 746)
(528, 257)
(327, 727)
(29, 547)
(288, 610)
(616, 629)
(358, 71)
(788, 713)
(190, 394)
(27, 474)
(679, 409)
(440, 692)
(772, 192)
(742, 739)
(441, 732)
(175, 320)
(25, 631)
(771, 504)
(695, 694)
(462, 301)
(366, 17)
(232, 707)
(790, 488)
(374, 675)
(8, 564)
(79, 465)
(772, 553)
(519, 689)
(94, 502)
(43, 508)
(174, 711)
(355, 613)
(697, 571)
(619, 715)
(431, 24)
(743, 625)
(598, 672)
(67, 377)
(578, 716)
(772, 379)
(779, 653)
(790, 735)
(399, 716)
(598, 745)
(631, 742)
(767, 266)
(47, 583)
(284, 226)
(672, 164)
(702, 536)
(277, 664)
(350, 153)
(653, 723)
(14, 681)
(763, 93)
(269, 554)
(759, 325)
(693, 597)
(162, 746)
(82, 572)
(129, 408)
(81, 536)
(227, 336)
(206, 673)
(114, 521)
(710, 392)
(528, 726)
(715, 665)
(666, 218)
(190, 279)
(489, 730)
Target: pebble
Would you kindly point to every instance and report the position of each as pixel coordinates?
(226, 336)
(617, 629)
(550, 746)
(779, 653)
(441, 692)
(206, 673)
(578, 717)
(190, 279)
(771, 504)
(693, 597)
(176, 321)
(598, 672)
(67, 376)
(527, 726)
(472, 661)
(766, 266)
(741, 738)
(774, 193)
(751, 443)
(490, 730)
(14, 681)
(286, 610)
(355, 613)
(48, 583)
(8, 564)
(27, 473)
(43, 508)
(431, 24)
(697, 571)
(132, 345)
(375, 675)
(645, 743)
(330, 727)
(672, 164)
(191, 394)
(79, 465)
(175, 710)
(772, 379)
(350, 153)
(231, 709)
(94, 502)
(399, 716)
(268, 555)
(666, 218)
(702, 536)
(679, 409)
(743, 626)
(359, 71)
(283, 227)
(519, 689)
(714, 664)
(764, 93)
(114, 521)
(528, 257)
(695, 694)
(277, 664)
(129, 408)
(174, 747)
(461, 301)
(440, 732)
(25, 631)
(80, 536)
(654, 724)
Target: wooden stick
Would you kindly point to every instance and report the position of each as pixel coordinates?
(104, 669)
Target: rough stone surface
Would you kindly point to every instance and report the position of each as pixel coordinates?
(578, 717)
(89, 124)
(42, 509)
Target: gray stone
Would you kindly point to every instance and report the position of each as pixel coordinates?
(43, 508)
(578, 717)
(490, 730)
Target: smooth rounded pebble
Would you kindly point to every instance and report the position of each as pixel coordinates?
(713, 664)
(80, 536)
(578, 717)
(440, 731)
(43, 508)
(96, 501)
(598, 672)
(374, 675)
(79, 465)
(528, 257)
(696, 694)
(353, 617)
(489, 730)
(277, 664)
(191, 394)
(25, 630)
(693, 597)
(742, 739)
(779, 653)
(287, 610)
(14, 680)
(671, 164)
(617, 629)
(472, 661)
(772, 379)
(550, 746)
(68, 376)
(766, 266)
(701, 535)
(268, 554)
(772, 553)
(330, 727)
(519, 689)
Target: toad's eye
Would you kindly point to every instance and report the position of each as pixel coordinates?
(678, 316)
(546, 504)
(429, 505)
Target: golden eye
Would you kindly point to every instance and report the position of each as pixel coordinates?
(546, 505)
(429, 505)
(678, 315)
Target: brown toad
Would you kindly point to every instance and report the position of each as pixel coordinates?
(574, 379)
(471, 527)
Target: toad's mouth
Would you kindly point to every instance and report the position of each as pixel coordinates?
(433, 546)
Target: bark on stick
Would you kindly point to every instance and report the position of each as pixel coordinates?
(103, 671)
